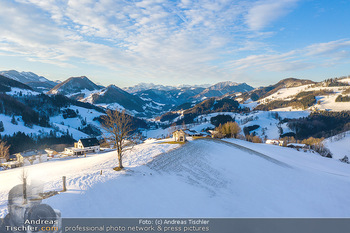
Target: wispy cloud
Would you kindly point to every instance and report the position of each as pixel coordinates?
(319, 54)
(170, 40)
(337, 49)
(264, 12)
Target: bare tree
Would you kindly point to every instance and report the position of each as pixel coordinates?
(172, 129)
(119, 128)
(4, 150)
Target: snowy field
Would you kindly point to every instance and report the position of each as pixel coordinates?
(327, 102)
(82, 173)
(339, 145)
(203, 178)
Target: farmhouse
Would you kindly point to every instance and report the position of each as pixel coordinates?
(25, 158)
(298, 146)
(179, 136)
(86, 145)
(274, 142)
(192, 133)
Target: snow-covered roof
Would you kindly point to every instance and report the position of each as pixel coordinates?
(296, 144)
(32, 153)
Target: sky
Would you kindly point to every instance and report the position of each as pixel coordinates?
(125, 42)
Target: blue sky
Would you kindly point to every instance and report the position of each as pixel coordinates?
(125, 42)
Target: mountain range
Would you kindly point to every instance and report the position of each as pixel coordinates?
(150, 100)
(143, 100)
(72, 109)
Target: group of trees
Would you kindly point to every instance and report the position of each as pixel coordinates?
(253, 138)
(341, 98)
(20, 141)
(221, 119)
(302, 100)
(320, 124)
(210, 106)
(11, 106)
(317, 145)
(229, 129)
(248, 129)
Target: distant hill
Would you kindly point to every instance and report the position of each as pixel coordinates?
(223, 88)
(36, 82)
(6, 84)
(172, 97)
(113, 94)
(74, 85)
(150, 86)
(207, 106)
(269, 90)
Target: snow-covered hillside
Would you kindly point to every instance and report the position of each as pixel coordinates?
(73, 124)
(269, 126)
(324, 102)
(203, 178)
(339, 145)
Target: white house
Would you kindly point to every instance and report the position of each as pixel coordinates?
(51, 152)
(274, 142)
(86, 145)
(29, 157)
(179, 136)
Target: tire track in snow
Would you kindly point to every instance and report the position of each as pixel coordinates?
(250, 151)
(190, 162)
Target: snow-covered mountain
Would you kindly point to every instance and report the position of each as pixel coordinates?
(146, 86)
(74, 86)
(38, 83)
(150, 86)
(190, 95)
(173, 97)
(113, 94)
(113, 97)
(224, 88)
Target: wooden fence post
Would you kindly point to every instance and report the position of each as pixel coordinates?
(25, 190)
(64, 184)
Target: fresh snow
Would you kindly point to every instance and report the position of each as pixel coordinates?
(82, 173)
(202, 178)
(327, 101)
(345, 80)
(18, 91)
(10, 128)
(339, 145)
